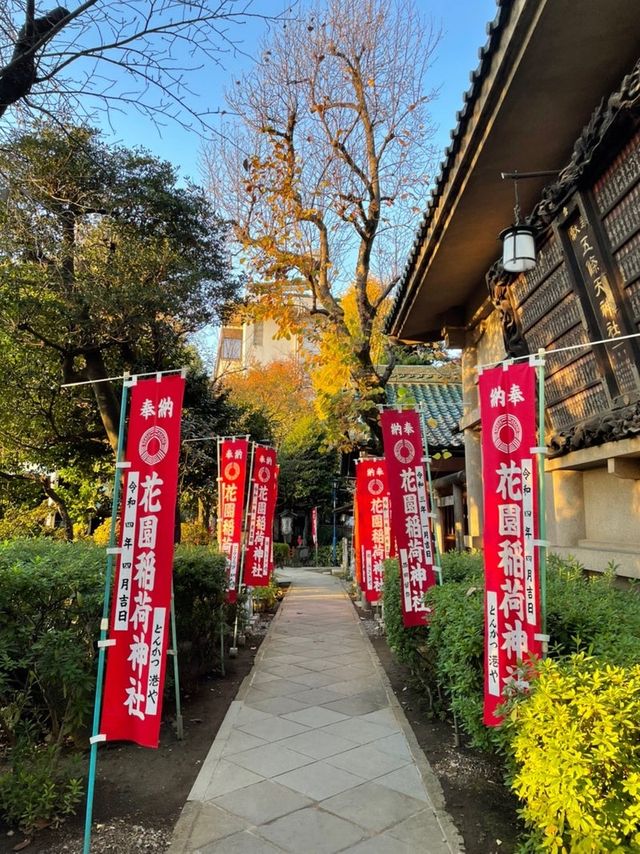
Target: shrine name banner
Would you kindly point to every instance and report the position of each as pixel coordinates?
(410, 518)
(373, 523)
(509, 474)
(232, 456)
(262, 504)
(141, 602)
(314, 526)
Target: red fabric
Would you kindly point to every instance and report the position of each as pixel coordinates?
(404, 455)
(509, 474)
(141, 603)
(259, 548)
(314, 525)
(373, 525)
(232, 478)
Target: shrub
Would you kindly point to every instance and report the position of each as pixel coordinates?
(265, 598)
(194, 534)
(575, 742)
(280, 554)
(408, 644)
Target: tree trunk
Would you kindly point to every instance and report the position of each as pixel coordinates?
(108, 404)
(60, 503)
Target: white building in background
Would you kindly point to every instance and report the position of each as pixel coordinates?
(244, 345)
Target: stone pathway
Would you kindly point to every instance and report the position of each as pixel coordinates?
(315, 755)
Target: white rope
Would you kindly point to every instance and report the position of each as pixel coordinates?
(555, 350)
(156, 374)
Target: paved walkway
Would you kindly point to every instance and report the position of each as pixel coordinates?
(315, 755)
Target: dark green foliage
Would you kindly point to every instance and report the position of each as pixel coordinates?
(583, 613)
(51, 597)
(280, 553)
(199, 591)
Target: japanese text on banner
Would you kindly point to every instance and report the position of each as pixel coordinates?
(509, 473)
(410, 514)
(141, 602)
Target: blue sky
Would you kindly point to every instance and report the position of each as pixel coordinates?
(463, 25)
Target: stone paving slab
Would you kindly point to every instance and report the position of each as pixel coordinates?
(315, 756)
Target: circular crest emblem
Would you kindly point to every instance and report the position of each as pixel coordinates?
(232, 471)
(376, 487)
(507, 433)
(264, 474)
(404, 451)
(153, 445)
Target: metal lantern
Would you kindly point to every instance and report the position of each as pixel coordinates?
(518, 249)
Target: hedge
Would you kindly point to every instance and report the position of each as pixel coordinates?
(594, 628)
(50, 609)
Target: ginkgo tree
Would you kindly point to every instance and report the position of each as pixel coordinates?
(324, 166)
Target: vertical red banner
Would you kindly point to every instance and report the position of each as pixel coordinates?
(509, 474)
(233, 456)
(314, 526)
(373, 525)
(141, 603)
(259, 545)
(275, 504)
(410, 516)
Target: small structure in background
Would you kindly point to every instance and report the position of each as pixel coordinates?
(436, 391)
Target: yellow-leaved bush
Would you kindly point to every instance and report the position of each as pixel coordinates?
(576, 745)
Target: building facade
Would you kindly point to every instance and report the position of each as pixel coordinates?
(554, 93)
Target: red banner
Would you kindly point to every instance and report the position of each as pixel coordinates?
(314, 526)
(140, 608)
(512, 599)
(404, 455)
(232, 476)
(259, 547)
(373, 525)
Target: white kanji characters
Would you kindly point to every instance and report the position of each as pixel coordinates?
(515, 394)
(408, 429)
(496, 397)
(151, 492)
(139, 654)
(410, 503)
(140, 616)
(511, 558)
(417, 602)
(515, 640)
(165, 408)
(396, 429)
(408, 480)
(147, 410)
(418, 575)
(413, 527)
(230, 492)
(146, 570)
(509, 520)
(147, 532)
(238, 454)
(513, 598)
(134, 699)
(510, 481)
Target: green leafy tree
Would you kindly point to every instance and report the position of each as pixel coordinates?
(105, 263)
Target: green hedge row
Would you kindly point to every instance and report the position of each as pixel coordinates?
(50, 609)
(570, 743)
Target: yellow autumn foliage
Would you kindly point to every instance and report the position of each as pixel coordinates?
(576, 743)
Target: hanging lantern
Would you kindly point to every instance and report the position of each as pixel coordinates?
(518, 249)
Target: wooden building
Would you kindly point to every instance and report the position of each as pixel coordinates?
(557, 90)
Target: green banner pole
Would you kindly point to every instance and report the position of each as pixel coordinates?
(176, 668)
(542, 505)
(104, 623)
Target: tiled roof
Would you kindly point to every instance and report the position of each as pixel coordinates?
(438, 393)
(477, 77)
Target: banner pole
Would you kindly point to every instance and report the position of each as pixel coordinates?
(234, 649)
(176, 668)
(219, 539)
(432, 503)
(542, 505)
(104, 623)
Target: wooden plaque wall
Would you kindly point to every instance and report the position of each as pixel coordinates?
(586, 288)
